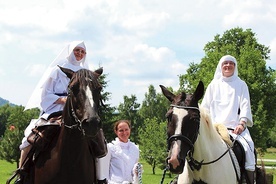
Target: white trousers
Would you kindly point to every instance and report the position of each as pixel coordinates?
(245, 139)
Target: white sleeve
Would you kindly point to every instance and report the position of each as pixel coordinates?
(102, 165)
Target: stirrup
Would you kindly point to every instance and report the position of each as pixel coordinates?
(19, 177)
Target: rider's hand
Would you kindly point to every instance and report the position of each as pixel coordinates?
(61, 100)
(240, 128)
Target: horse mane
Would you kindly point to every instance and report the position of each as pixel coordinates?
(91, 76)
(215, 129)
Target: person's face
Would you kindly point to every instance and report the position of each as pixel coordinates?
(123, 132)
(228, 68)
(79, 53)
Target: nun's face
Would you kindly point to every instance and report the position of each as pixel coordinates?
(79, 53)
(227, 68)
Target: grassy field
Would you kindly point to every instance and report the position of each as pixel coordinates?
(6, 170)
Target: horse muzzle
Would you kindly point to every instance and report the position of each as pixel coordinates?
(179, 168)
(99, 145)
(91, 126)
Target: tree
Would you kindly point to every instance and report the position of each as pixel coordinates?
(153, 143)
(154, 105)
(251, 57)
(106, 112)
(5, 112)
(16, 124)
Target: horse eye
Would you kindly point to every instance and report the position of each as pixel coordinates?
(169, 116)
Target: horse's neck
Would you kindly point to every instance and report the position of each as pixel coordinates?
(209, 143)
(76, 159)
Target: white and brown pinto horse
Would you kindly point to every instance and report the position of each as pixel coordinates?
(196, 150)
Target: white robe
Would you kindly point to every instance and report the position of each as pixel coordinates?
(56, 84)
(227, 100)
(224, 98)
(117, 166)
(53, 83)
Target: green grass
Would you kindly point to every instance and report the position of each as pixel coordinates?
(6, 170)
(149, 178)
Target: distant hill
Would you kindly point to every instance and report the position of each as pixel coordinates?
(4, 102)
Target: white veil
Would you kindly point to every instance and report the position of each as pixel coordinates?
(62, 57)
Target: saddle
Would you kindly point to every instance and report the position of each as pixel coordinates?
(238, 150)
(42, 139)
(240, 155)
(42, 135)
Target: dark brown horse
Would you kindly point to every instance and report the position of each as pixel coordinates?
(71, 158)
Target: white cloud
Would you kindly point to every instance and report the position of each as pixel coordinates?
(35, 70)
(138, 42)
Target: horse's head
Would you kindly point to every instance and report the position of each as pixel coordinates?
(183, 125)
(82, 105)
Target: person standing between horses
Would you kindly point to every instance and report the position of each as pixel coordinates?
(228, 101)
(119, 166)
(51, 92)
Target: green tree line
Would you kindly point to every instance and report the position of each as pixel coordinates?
(148, 118)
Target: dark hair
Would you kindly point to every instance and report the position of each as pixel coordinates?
(116, 124)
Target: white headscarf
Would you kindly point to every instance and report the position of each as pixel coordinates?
(218, 73)
(66, 58)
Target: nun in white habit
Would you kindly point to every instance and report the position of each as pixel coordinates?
(228, 101)
(50, 93)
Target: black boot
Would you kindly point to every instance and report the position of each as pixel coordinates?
(104, 181)
(250, 177)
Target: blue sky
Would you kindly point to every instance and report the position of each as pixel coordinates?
(138, 42)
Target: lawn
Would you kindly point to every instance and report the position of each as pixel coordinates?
(6, 170)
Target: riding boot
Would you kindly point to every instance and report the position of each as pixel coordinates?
(104, 181)
(250, 177)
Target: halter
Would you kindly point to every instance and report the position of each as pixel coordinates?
(180, 136)
(78, 124)
(194, 164)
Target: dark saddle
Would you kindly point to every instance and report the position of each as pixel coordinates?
(240, 155)
(42, 138)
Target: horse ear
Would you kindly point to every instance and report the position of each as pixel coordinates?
(99, 71)
(198, 94)
(67, 71)
(170, 96)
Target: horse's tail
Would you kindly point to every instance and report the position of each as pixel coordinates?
(261, 174)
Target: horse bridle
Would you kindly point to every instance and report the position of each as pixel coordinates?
(181, 137)
(194, 164)
(78, 122)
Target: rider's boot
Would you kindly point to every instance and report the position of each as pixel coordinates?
(250, 176)
(22, 164)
